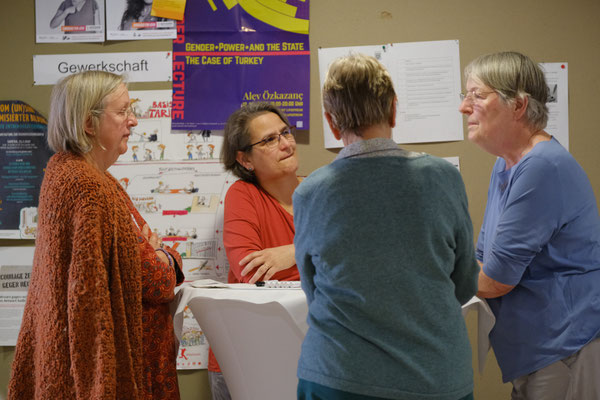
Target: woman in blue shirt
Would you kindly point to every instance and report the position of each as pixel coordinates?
(539, 245)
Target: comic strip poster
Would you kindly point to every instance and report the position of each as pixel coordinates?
(178, 184)
(253, 51)
(133, 20)
(66, 21)
(24, 154)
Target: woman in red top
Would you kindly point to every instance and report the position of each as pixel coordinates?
(259, 148)
(258, 233)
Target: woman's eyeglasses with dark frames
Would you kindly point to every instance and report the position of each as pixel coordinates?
(273, 140)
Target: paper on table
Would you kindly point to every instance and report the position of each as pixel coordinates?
(208, 283)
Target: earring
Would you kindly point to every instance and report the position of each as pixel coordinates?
(250, 169)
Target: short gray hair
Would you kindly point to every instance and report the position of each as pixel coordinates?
(237, 136)
(513, 75)
(358, 92)
(74, 99)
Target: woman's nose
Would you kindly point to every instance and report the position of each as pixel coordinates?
(284, 142)
(465, 106)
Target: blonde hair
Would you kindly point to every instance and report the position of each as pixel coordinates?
(75, 99)
(512, 75)
(358, 92)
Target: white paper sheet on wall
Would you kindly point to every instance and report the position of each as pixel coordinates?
(557, 78)
(427, 80)
(15, 271)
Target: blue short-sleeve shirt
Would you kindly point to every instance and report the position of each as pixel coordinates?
(541, 232)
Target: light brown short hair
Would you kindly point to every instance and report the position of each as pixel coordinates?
(512, 75)
(74, 99)
(358, 92)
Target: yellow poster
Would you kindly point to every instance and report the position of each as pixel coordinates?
(172, 9)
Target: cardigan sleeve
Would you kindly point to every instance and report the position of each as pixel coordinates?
(90, 322)
(158, 278)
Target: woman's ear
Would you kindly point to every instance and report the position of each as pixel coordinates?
(89, 126)
(332, 126)
(242, 159)
(520, 106)
(392, 120)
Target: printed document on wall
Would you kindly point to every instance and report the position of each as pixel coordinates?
(427, 80)
(15, 272)
(557, 79)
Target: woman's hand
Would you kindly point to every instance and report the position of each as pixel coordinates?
(155, 242)
(268, 262)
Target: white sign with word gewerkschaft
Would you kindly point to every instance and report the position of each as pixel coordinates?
(154, 66)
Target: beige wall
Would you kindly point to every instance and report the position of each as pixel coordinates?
(547, 30)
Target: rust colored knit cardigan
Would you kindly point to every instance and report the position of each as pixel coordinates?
(81, 335)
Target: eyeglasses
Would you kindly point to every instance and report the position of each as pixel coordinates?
(273, 140)
(124, 112)
(474, 95)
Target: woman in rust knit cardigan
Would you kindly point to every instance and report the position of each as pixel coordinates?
(97, 322)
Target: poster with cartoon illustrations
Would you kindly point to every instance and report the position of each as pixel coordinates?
(176, 181)
(153, 140)
(183, 202)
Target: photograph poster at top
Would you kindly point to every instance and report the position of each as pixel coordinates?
(133, 20)
(64, 21)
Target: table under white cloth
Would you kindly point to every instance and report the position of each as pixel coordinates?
(257, 333)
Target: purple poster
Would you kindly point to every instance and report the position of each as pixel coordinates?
(228, 53)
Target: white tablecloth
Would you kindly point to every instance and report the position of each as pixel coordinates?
(257, 334)
(485, 323)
